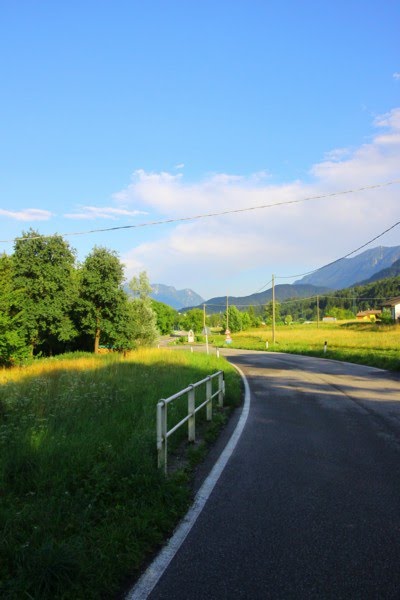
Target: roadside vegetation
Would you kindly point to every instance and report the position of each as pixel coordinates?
(373, 344)
(83, 504)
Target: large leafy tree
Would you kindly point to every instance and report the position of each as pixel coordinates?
(193, 319)
(143, 316)
(234, 319)
(167, 316)
(13, 347)
(102, 301)
(43, 271)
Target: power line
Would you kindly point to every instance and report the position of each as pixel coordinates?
(343, 298)
(264, 286)
(299, 299)
(209, 215)
(343, 257)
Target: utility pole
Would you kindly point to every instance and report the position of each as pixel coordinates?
(273, 309)
(317, 312)
(228, 339)
(204, 326)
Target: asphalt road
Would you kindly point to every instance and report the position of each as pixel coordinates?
(308, 506)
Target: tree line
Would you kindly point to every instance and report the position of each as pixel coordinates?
(342, 304)
(50, 304)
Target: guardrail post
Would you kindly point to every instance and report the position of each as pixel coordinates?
(162, 435)
(209, 398)
(221, 388)
(192, 415)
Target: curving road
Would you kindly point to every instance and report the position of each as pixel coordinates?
(308, 505)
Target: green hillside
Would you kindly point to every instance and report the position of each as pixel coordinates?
(282, 292)
(392, 271)
(352, 299)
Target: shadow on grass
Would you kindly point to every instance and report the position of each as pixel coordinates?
(83, 503)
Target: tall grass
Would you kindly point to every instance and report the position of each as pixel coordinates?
(82, 502)
(364, 343)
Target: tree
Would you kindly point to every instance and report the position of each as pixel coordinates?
(167, 316)
(215, 319)
(386, 316)
(144, 318)
(339, 313)
(235, 319)
(13, 347)
(43, 270)
(193, 319)
(269, 312)
(246, 320)
(140, 286)
(102, 300)
(254, 320)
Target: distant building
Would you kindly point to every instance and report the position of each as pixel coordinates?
(394, 306)
(368, 315)
(329, 319)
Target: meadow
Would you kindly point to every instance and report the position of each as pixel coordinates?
(83, 504)
(371, 344)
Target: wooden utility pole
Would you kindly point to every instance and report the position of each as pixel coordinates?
(273, 309)
(204, 326)
(317, 312)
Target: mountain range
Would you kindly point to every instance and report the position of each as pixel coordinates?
(282, 292)
(176, 298)
(366, 267)
(347, 272)
(392, 271)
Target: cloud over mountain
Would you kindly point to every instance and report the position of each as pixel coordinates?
(225, 250)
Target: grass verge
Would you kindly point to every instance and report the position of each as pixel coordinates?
(82, 502)
(362, 343)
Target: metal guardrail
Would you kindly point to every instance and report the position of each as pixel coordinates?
(162, 413)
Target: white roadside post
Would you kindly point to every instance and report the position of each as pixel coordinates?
(162, 435)
(192, 415)
(209, 399)
(221, 387)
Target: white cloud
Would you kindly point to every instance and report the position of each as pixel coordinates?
(390, 119)
(97, 212)
(237, 253)
(396, 75)
(337, 154)
(179, 166)
(28, 214)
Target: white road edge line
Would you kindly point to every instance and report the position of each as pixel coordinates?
(151, 576)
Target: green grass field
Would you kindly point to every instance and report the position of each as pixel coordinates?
(363, 343)
(82, 501)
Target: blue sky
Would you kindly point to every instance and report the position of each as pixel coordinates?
(121, 113)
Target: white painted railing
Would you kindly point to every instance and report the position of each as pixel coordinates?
(162, 412)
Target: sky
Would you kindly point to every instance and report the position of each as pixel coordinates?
(123, 115)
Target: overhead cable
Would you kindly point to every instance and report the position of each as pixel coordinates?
(342, 258)
(209, 215)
